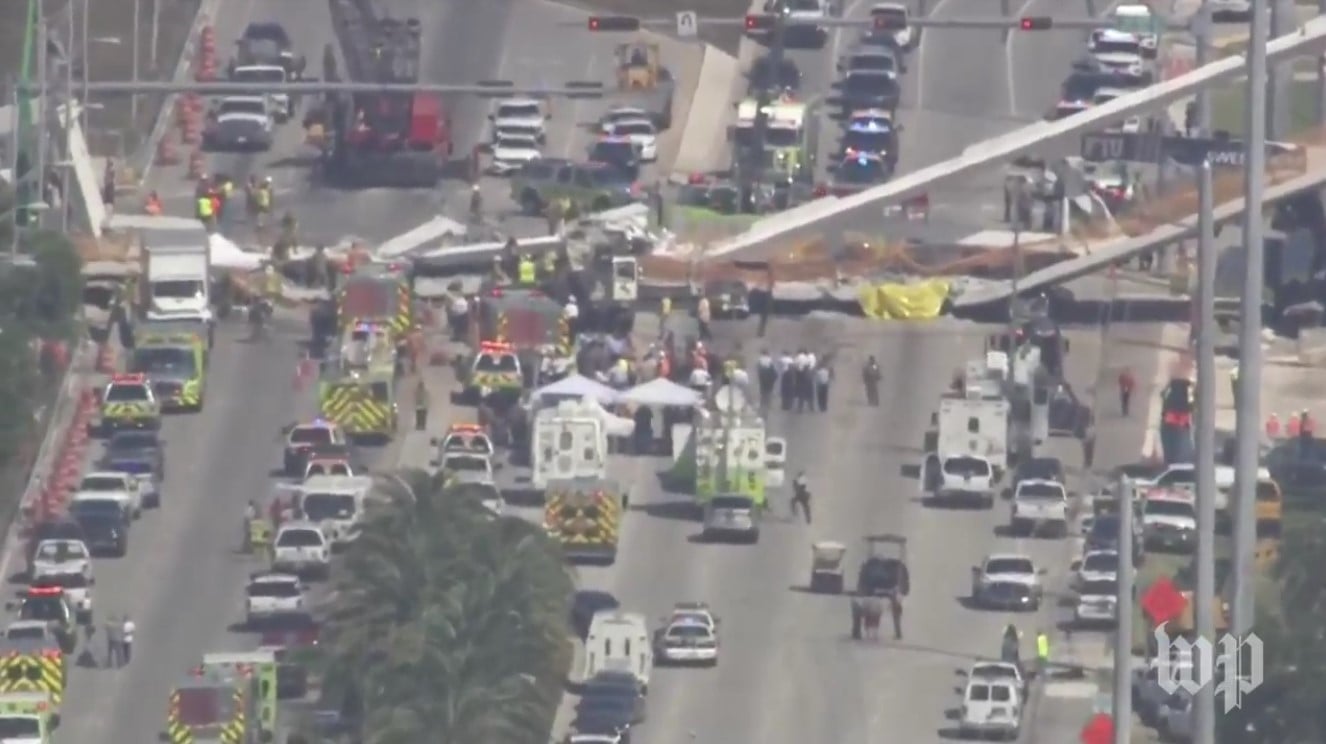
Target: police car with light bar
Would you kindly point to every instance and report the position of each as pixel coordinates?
(858, 171)
(303, 438)
(873, 133)
(272, 595)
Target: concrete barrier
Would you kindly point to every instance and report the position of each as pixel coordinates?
(704, 142)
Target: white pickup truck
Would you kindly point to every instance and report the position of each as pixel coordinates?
(1040, 507)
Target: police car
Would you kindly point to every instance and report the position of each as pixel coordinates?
(642, 133)
(51, 605)
(858, 171)
(302, 548)
(872, 131)
(77, 587)
(121, 487)
(272, 595)
(303, 437)
(1120, 53)
(470, 438)
(687, 639)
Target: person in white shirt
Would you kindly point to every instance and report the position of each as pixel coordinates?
(823, 376)
(620, 375)
(127, 629)
(783, 363)
(700, 379)
(741, 378)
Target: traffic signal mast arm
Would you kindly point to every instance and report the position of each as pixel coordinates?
(486, 88)
(766, 21)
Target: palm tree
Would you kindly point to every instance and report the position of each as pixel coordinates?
(449, 624)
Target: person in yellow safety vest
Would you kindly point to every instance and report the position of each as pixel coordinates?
(205, 212)
(271, 282)
(1042, 650)
(665, 307)
(263, 198)
(527, 273)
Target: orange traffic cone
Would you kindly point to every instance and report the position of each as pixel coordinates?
(166, 152)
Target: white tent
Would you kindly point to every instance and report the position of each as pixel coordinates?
(662, 392)
(576, 387)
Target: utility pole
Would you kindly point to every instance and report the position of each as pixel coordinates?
(68, 122)
(1321, 73)
(133, 99)
(1248, 427)
(1123, 632)
(156, 31)
(38, 175)
(87, 62)
(1204, 596)
(14, 148)
(752, 174)
(1277, 89)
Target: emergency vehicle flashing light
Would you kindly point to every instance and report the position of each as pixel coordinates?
(466, 428)
(495, 346)
(868, 125)
(45, 591)
(128, 378)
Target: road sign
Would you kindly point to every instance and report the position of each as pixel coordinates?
(1137, 147)
(687, 23)
(1099, 730)
(1162, 602)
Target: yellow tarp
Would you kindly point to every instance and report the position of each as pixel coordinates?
(918, 301)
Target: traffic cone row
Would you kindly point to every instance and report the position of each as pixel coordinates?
(207, 54)
(167, 153)
(105, 358)
(193, 129)
(69, 463)
(196, 166)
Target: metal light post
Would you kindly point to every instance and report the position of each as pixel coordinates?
(133, 74)
(87, 61)
(156, 31)
(38, 176)
(1278, 82)
(17, 119)
(1123, 633)
(1204, 596)
(1250, 343)
(1321, 73)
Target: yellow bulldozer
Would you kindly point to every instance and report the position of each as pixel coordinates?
(639, 69)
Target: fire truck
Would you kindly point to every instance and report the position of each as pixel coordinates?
(382, 139)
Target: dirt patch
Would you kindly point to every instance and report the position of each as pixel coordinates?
(110, 47)
(725, 38)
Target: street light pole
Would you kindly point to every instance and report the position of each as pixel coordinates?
(87, 62)
(38, 176)
(133, 100)
(1123, 633)
(1278, 80)
(1250, 340)
(17, 145)
(1204, 596)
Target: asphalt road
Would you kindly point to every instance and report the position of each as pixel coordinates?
(183, 579)
(962, 86)
(788, 672)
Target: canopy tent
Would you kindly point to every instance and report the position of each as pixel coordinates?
(662, 392)
(576, 387)
(616, 426)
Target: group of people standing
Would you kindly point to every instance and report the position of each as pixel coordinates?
(803, 380)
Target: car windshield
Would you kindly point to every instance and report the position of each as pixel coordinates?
(47, 609)
(1143, 23)
(731, 502)
(277, 589)
(633, 127)
(1118, 47)
(311, 435)
(613, 151)
(967, 466)
(1158, 508)
(1041, 491)
(993, 671)
(127, 393)
(129, 441)
(170, 360)
(870, 83)
(496, 363)
(862, 170)
(868, 141)
(465, 462)
(320, 506)
(298, 538)
(59, 552)
(102, 483)
(1039, 469)
(517, 141)
(96, 509)
(688, 631)
(1100, 588)
(25, 633)
(1100, 562)
(243, 106)
(1021, 566)
(872, 62)
(258, 75)
(19, 727)
(522, 110)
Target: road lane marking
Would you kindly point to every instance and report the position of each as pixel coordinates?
(577, 108)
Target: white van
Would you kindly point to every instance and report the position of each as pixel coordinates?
(336, 503)
(619, 642)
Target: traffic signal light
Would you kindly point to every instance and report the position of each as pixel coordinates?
(763, 22)
(614, 23)
(1037, 23)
